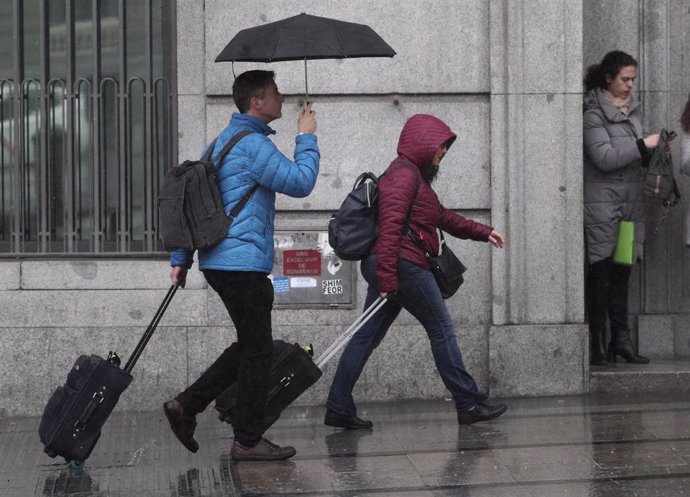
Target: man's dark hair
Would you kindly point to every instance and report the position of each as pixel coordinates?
(610, 65)
(250, 84)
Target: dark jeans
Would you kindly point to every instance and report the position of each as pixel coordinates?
(607, 295)
(419, 295)
(248, 296)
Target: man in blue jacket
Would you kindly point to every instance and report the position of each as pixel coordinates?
(238, 267)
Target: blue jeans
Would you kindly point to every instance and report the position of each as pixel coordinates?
(418, 293)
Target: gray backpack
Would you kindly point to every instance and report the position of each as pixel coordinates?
(190, 208)
(659, 181)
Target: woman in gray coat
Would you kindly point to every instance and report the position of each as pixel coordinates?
(615, 150)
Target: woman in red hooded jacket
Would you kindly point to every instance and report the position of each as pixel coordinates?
(398, 268)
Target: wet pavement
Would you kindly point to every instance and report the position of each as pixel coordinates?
(543, 447)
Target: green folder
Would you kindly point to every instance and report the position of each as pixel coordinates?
(625, 253)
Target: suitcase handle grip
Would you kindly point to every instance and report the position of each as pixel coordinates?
(88, 411)
(282, 384)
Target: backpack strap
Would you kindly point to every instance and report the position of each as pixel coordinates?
(406, 226)
(240, 205)
(411, 166)
(670, 135)
(224, 151)
(666, 137)
(209, 150)
(228, 146)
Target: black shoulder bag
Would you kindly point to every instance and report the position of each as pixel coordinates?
(446, 267)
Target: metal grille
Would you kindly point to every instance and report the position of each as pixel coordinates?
(88, 113)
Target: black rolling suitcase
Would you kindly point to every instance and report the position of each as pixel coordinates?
(76, 412)
(293, 371)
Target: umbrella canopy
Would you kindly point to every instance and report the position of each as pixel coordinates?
(305, 37)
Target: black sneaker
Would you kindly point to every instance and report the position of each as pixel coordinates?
(347, 422)
(183, 425)
(481, 412)
(262, 451)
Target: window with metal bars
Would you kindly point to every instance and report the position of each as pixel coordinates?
(88, 113)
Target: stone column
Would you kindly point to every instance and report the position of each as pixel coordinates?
(538, 342)
(663, 319)
(191, 81)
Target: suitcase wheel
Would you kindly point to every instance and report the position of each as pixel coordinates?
(76, 464)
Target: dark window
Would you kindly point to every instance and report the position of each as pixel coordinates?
(88, 112)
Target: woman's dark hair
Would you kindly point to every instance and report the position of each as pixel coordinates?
(429, 171)
(685, 117)
(610, 65)
(250, 84)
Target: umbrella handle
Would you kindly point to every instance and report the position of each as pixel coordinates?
(306, 84)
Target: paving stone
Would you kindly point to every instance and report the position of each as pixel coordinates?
(576, 446)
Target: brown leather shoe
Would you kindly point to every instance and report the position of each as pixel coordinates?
(263, 451)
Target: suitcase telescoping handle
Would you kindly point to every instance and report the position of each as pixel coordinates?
(342, 340)
(149, 331)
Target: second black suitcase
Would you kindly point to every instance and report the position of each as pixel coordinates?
(292, 372)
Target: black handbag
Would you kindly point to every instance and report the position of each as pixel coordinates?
(446, 267)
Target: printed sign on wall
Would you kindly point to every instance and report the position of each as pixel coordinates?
(307, 273)
(332, 287)
(302, 262)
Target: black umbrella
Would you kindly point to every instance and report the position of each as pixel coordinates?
(305, 37)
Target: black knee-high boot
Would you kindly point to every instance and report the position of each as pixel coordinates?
(597, 357)
(598, 275)
(621, 343)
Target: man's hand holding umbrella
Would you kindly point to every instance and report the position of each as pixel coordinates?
(306, 120)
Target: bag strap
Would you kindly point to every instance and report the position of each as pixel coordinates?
(413, 236)
(209, 150)
(406, 226)
(240, 205)
(667, 137)
(228, 146)
(411, 166)
(415, 239)
(663, 148)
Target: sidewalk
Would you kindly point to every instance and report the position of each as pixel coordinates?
(543, 447)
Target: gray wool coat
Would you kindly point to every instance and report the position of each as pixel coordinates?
(612, 174)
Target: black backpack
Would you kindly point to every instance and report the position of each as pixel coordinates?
(190, 209)
(352, 230)
(659, 181)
